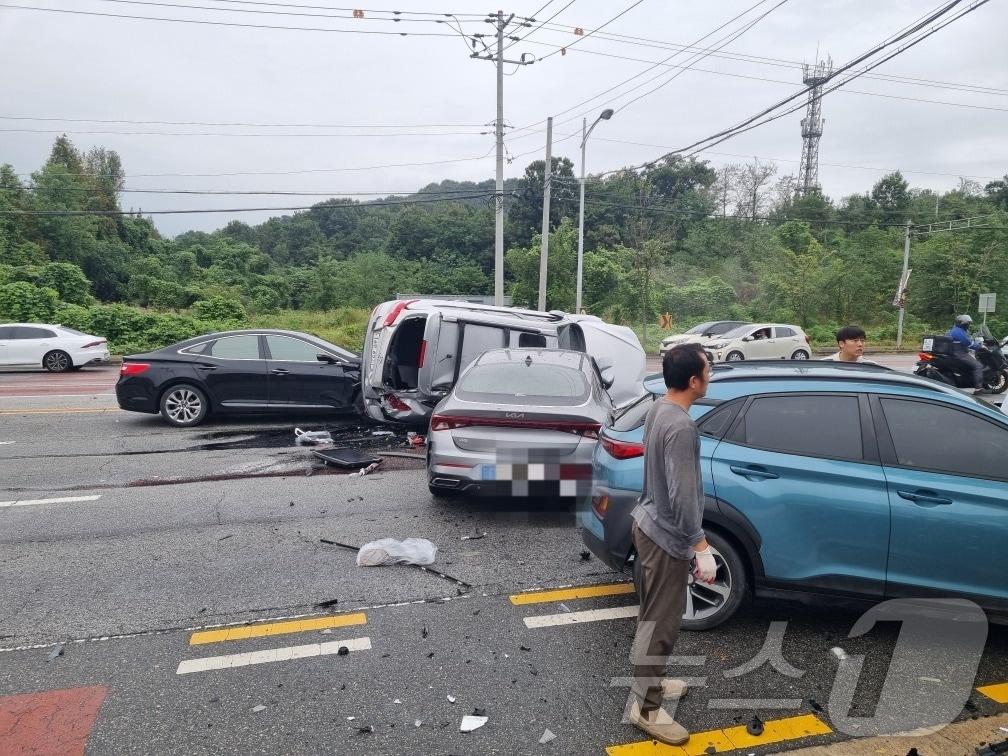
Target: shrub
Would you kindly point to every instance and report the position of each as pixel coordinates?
(68, 280)
(22, 301)
(220, 309)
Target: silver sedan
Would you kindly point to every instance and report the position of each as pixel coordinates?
(520, 422)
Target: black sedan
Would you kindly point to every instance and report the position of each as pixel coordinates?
(261, 371)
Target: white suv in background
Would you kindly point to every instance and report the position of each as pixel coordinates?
(54, 347)
(760, 341)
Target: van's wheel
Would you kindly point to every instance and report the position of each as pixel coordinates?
(735, 356)
(800, 354)
(184, 406)
(57, 361)
(708, 606)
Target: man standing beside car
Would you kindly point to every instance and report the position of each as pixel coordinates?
(667, 534)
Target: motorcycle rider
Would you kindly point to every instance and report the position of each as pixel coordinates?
(962, 345)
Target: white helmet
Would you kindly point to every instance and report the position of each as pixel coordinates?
(964, 320)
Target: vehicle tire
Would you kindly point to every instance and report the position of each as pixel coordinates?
(708, 606)
(999, 384)
(734, 356)
(801, 354)
(57, 361)
(184, 406)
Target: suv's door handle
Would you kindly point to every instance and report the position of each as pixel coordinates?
(279, 371)
(753, 472)
(923, 498)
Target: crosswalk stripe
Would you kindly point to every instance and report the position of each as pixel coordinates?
(570, 594)
(58, 500)
(231, 661)
(729, 739)
(577, 618)
(240, 632)
(998, 693)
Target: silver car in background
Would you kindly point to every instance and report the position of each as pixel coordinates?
(520, 422)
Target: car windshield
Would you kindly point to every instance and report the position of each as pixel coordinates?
(734, 333)
(545, 384)
(699, 330)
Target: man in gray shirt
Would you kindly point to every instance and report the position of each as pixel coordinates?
(667, 534)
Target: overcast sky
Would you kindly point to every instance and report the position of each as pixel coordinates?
(437, 99)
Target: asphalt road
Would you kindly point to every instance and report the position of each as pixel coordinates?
(154, 608)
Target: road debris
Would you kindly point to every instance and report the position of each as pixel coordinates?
(326, 604)
(451, 699)
(416, 440)
(547, 737)
(342, 651)
(55, 653)
(933, 680)
(423, 633)
(366, 730)
(312, 438)
(397, 701)
(838, 652)
(346, 457)
(755, 726)
(478, 712)
(382, 433)
(565, 607)
(470, 723)
(585, 556)
(224, 538)
(350, 719)
(370, 468)
(257, 709)
(417, 551)
(474, 537)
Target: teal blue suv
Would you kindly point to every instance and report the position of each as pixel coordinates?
(826, 481)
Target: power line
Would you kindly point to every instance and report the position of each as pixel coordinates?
(248, 125)
(227, 23)
(363, 10)
(750, 122)
(302, 135)
(249, 192)
(761, 60)
(585, 36)
(522, 39)
(49, 213)
(351, 15)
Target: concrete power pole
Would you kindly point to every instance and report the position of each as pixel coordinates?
(901, 293)
(812, 125)
(544, 253)
(497, 57)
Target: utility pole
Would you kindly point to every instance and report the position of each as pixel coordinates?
(497, 57)
(901, 293)
(544, 253)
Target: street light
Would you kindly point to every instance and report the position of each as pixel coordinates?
(605, 115)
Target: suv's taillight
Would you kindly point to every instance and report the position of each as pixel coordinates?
(925, 356)
(600, 505)
(394, 313)
(622, 449)
(396, 403)
(133, 368)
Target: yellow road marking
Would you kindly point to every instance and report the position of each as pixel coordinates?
(276, 628)
(57, 410)
(998, 693)
(729, 739)
(586, 591)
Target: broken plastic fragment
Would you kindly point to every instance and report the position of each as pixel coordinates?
(257, 709)
(585, 556)
(470, 723)
(474, 537)
(397, 701)
(342, 651)
(451, 699)
(755, 726)
(326, 604)
(367, 730)
(478, 712)
(351, 719)
(546, 737)
(55, 653)
(838, 652)
(417, 723)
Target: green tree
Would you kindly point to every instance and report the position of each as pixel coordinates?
(69, 282)
(891, 195)
(220, 309)
(24, 302)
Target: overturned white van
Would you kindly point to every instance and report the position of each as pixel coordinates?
(415, 349)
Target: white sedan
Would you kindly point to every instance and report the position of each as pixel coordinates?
(760, 341)
(54, 347)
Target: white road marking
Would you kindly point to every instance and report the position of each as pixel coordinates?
(577, 618)
(231, 661)
(58, 500)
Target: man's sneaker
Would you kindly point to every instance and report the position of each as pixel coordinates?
(674, 689)
(658, 725)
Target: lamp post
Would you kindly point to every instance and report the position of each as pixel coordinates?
(605, 115)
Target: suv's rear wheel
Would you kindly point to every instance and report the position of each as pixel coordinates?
(708, 606)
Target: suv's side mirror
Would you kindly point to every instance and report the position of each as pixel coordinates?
(748, 338)
(323, 357)
(608, 377)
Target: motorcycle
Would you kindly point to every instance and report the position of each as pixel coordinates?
(936, 361)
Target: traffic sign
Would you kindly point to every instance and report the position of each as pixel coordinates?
(987, 303)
